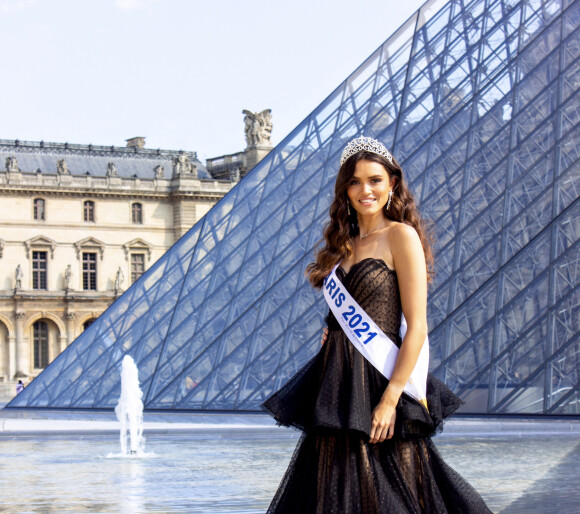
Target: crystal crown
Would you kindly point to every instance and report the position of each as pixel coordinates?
(368, 144)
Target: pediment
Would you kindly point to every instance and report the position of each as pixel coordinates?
(90, 243)
(138, 244)
(40, 242)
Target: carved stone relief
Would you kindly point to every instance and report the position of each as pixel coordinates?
(12, 164)
(112, 170)
(159, 171)
(182, 165)
(258, 127)
(62, 167)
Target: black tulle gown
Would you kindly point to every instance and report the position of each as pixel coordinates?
(334, 468)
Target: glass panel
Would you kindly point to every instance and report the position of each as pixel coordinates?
(521, 360)
(525, 267)
(566, 273)
(570, 116)
(476, 394)
(564, 374)
(525, 310)
(567, 228)
(471, 316)
(476, 272)
(534, 183)
(469, 361)
(528, 224)
(526, 400)
(566, 320)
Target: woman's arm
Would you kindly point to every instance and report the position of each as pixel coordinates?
(409, 260)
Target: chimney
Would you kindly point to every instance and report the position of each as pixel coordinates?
(136, 142)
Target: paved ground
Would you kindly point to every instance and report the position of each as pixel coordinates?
(31, 421)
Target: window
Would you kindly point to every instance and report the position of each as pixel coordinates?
(39, 211)
(40, 337)
(137, 266)
(137, 213)
(88, 323)
(39, 270)
(90, 271)
(89, 210)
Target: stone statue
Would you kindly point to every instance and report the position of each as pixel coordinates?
(258, 127)
(182, 165)
(112, 170)
(11, 164)
(62, 167)
(159, 171)
(19, 276)
(235, 175)
(119, 278)
(67, 277)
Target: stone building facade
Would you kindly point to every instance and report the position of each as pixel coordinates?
(78, 225)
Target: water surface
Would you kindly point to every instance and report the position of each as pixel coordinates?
(229, 471)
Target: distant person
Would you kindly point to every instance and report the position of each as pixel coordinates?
(19, 387)
(366, 403)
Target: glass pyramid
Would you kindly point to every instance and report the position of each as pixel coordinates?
(480, 102)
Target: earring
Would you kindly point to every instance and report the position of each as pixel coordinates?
(348, 208)
(389, 200)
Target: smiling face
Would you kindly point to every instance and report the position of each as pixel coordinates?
(368, 188)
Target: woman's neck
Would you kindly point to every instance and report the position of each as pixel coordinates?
(368, 224)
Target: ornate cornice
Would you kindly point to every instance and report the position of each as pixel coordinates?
(156, 189)
(89, 150)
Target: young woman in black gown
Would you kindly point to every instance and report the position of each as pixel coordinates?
(366, 444)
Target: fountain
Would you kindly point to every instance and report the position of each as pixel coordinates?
(129, 410)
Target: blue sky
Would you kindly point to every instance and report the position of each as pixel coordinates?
(177, 71)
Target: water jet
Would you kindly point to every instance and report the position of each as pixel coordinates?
(129, 410)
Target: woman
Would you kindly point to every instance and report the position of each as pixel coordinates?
(366, 444)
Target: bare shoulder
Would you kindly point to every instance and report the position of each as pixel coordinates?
(406, 247)
(403, 234)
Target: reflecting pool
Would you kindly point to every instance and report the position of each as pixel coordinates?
(238, 470)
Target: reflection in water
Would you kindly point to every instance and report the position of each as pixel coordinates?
(239, 471)
(134, 487)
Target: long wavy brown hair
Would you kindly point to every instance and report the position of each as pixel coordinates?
(342, 228)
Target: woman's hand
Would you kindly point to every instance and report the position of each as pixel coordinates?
(324, 335)
(382, 422)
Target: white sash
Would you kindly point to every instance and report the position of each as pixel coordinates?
(370, 340)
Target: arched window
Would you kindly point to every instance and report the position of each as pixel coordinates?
(88, 323)
(89, 210)
(39, 211)
(40, 336)
(137, 213)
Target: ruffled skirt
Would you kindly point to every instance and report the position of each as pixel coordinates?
(335, 469)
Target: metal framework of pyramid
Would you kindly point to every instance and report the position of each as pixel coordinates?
(480, 102)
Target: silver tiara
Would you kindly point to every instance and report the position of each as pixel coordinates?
(368, 144)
